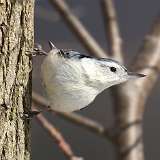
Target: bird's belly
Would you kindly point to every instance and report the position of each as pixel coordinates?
(65, 86)
(68, 100)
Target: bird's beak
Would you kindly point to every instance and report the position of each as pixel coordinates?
(133, 75)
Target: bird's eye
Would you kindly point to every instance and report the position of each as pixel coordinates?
(113, 69)
(125, 70)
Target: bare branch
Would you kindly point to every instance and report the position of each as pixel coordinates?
(112, 29)
(77, 27)
(132, 96)
(89, 124)
(148, 58)
(57, 136)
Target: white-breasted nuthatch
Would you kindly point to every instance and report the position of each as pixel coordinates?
(73, 80)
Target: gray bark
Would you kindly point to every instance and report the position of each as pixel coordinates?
(16, 37)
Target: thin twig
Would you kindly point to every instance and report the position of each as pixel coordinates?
(112, 29)
(79, 120)
(57, 136)
(77, 27)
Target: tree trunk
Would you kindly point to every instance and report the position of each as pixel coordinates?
(16, 37)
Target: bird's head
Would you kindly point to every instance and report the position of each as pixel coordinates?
(104, 72)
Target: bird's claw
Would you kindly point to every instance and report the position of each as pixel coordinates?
(36, 51)
(30, 114)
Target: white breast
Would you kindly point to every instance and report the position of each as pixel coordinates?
(64, 84)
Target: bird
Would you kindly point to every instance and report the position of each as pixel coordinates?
(72, 80)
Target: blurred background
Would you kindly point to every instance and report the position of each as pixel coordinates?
(135, 18)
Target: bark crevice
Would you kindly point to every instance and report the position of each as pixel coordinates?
(16, 36)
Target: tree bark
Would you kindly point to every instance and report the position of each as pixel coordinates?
(16, 37)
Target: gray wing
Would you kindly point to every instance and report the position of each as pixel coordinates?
(73, 54)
